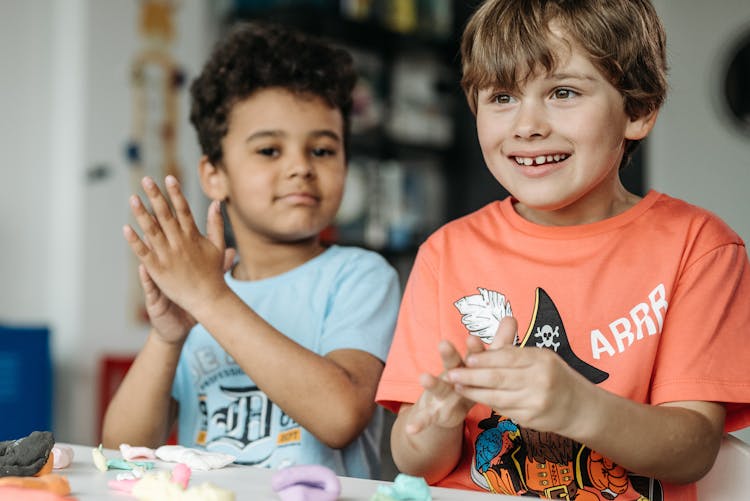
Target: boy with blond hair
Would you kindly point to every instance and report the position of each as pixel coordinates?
(637, 305)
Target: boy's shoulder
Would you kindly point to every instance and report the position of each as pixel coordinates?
(346, 257)
(695, 221)
(478, 219)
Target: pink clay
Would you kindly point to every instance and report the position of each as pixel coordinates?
(129, 452)
(63, 456)
(181, 475)
(123, 485)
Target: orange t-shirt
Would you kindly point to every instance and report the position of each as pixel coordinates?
(651, 304)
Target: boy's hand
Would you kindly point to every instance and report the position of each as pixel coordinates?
(171, 323)
(439, 404)
(185, 266)
(534, 387)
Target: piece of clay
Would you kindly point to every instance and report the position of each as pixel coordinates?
(136, 472)
(181, 475)
(9, 493)
(99, 460)
(196, 459)
(63, 456)
(104, 464)
(26, 456)
(159, 486)
(123, 485)
(47, 468)
(379, 496)
(130, 453)
(121, 464)
(306, 483)
(52, 482)
(405, 487)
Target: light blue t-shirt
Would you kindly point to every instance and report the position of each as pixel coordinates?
(345, 298)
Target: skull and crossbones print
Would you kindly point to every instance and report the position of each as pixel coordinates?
(547, 337)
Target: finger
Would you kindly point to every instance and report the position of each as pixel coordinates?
(152, 231)
(183, 214)
(139, 248)
(506, 333)
(422, 414)
(474, 345)
(505, 402)
(437, 387)
(450, 356)
(146, 282)
(417, 421)
(229, 255)
(215, 225)
(491, 378)
(150, 289)
(506, 357)
(160, 208)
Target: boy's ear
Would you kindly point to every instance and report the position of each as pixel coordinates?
(640, 127)
(213, 179)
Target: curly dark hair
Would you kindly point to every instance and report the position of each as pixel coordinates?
(256, 56)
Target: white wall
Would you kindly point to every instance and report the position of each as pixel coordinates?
(66, 109)
(25, 100)
(693, 152)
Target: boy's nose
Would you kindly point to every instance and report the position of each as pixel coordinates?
(302, 166)
(531, 121)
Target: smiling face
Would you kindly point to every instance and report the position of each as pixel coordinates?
(283, 168)
(556, 143)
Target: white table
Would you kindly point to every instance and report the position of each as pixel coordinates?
(248, 483)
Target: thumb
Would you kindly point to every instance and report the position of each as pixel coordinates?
(215, 225)
(506, 333)
(229, 255)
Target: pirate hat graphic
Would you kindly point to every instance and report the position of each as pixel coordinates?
(546, 330)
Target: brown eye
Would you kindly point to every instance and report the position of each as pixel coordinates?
(501, 99)
(323, 152)
(269, 152)
(564, 93)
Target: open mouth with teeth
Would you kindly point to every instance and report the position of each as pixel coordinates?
(541, 159)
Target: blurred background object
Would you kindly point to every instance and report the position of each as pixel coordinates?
(25, 381)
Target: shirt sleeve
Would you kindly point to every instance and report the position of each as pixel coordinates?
(361, 313)
(415, 343)
(704, 349)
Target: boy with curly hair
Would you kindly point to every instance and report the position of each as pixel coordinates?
(276, 361)
(630, 362)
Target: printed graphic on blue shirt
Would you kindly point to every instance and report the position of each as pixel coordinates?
(236, 417)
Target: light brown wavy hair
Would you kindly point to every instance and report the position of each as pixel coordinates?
(506, 41)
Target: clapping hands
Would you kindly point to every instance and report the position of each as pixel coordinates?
(534, 387)
(179, 267)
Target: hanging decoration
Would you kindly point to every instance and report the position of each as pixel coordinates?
(156, 80)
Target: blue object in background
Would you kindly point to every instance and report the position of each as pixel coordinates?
(25, 381)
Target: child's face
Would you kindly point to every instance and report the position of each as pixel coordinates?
(556, 143)
(284, 166)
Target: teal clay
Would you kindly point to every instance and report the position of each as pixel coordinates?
(404, 488)
(121, 464)
(379, 496)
